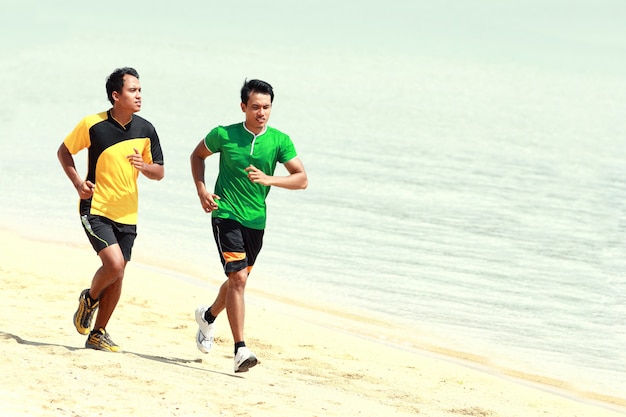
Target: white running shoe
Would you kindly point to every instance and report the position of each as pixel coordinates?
(206, 331)
(244, 360)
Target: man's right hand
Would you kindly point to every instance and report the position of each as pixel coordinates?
(85, 190)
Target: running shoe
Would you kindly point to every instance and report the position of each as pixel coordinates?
(84, 313)
(206, 331)
(100, 340)
(244, 360)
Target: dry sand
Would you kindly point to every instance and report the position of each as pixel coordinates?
(312, 363)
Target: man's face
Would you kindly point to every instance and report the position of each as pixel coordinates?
(257, 111)
(129, 99)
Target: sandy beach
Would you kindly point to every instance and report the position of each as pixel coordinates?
(312, 363)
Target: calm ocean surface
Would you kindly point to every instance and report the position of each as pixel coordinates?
(466, 163)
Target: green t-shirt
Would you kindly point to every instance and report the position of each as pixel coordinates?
(240, 198)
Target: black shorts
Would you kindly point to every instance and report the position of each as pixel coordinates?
(103, 232)
(238, 245)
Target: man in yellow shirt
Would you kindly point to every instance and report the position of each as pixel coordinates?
(120, 145)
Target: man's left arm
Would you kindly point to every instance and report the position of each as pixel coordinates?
(151, 171)
(296, 180)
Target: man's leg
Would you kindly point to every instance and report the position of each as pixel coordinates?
(236, 311)
(220, 301)
(235, 303)
(107, 284)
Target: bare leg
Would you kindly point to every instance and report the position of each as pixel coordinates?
(235, 304)
(231, 298)
(107, 284)
(220, 301)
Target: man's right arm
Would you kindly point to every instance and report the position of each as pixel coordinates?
(84, 188)
(207, 199)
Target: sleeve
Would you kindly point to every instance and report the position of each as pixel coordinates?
(156, 153)
(212, 141)
(286, 150)
(79, 138)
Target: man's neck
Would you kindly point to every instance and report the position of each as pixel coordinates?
(255, 132)
(122, 118)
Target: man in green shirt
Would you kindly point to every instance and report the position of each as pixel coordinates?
(249, 152)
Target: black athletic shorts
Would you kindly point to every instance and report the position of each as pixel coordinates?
(238, 245)
(103, 232)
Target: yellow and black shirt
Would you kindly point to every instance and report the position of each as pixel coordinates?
(109, 143)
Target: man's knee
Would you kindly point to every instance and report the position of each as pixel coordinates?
(113, 261)
(238, 279)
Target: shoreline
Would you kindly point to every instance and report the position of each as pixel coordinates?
(357, 325)
(179, 294)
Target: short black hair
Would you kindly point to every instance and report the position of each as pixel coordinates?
(115, 81)
(256, 86)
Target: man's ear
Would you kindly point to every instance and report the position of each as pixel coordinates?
(115, 95)
(243, 107)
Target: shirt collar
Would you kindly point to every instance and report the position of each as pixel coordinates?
(249, 131)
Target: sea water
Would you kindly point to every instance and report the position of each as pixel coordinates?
(465, 159)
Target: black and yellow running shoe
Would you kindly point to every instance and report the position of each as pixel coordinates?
(100, 340)
(84, 314)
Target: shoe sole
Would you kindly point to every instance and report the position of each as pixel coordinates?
(94, 347)
(200, 346)
(80, 329)
(81, 310)
(247, 364)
